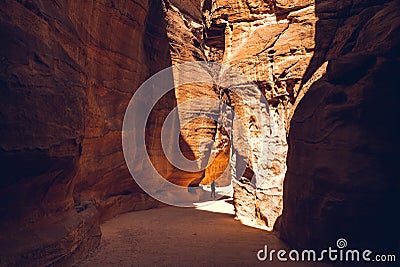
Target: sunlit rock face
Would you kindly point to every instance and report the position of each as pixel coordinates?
(272, 43)
(184, 32)
(243, 37)
(342, 180)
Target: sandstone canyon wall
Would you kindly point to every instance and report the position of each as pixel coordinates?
(69, 69)
(272, 44)
(342, 179)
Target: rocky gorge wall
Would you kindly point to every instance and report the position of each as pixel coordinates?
(341, 164)
(272, 44)
(69, 69)
(341, 180)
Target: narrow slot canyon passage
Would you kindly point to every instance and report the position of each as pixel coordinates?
(119, 119)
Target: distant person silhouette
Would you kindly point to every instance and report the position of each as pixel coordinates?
(213, 189)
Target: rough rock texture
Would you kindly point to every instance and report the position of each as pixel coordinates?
(114, 34)
(185, 33)
(183, 28)
(342, 178)
(69, 69)
(272, 42)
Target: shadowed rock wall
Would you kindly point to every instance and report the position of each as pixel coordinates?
(342, 179)
(69, 69)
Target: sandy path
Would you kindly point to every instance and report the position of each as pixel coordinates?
(174, 236)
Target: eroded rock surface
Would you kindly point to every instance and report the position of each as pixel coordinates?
(342, 180)
(68, 72)
(69, 69)
(272, 43)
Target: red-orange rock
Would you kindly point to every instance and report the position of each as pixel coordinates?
(69, 69)
(68, 72)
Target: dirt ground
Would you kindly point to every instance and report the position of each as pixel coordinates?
(173, 236)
